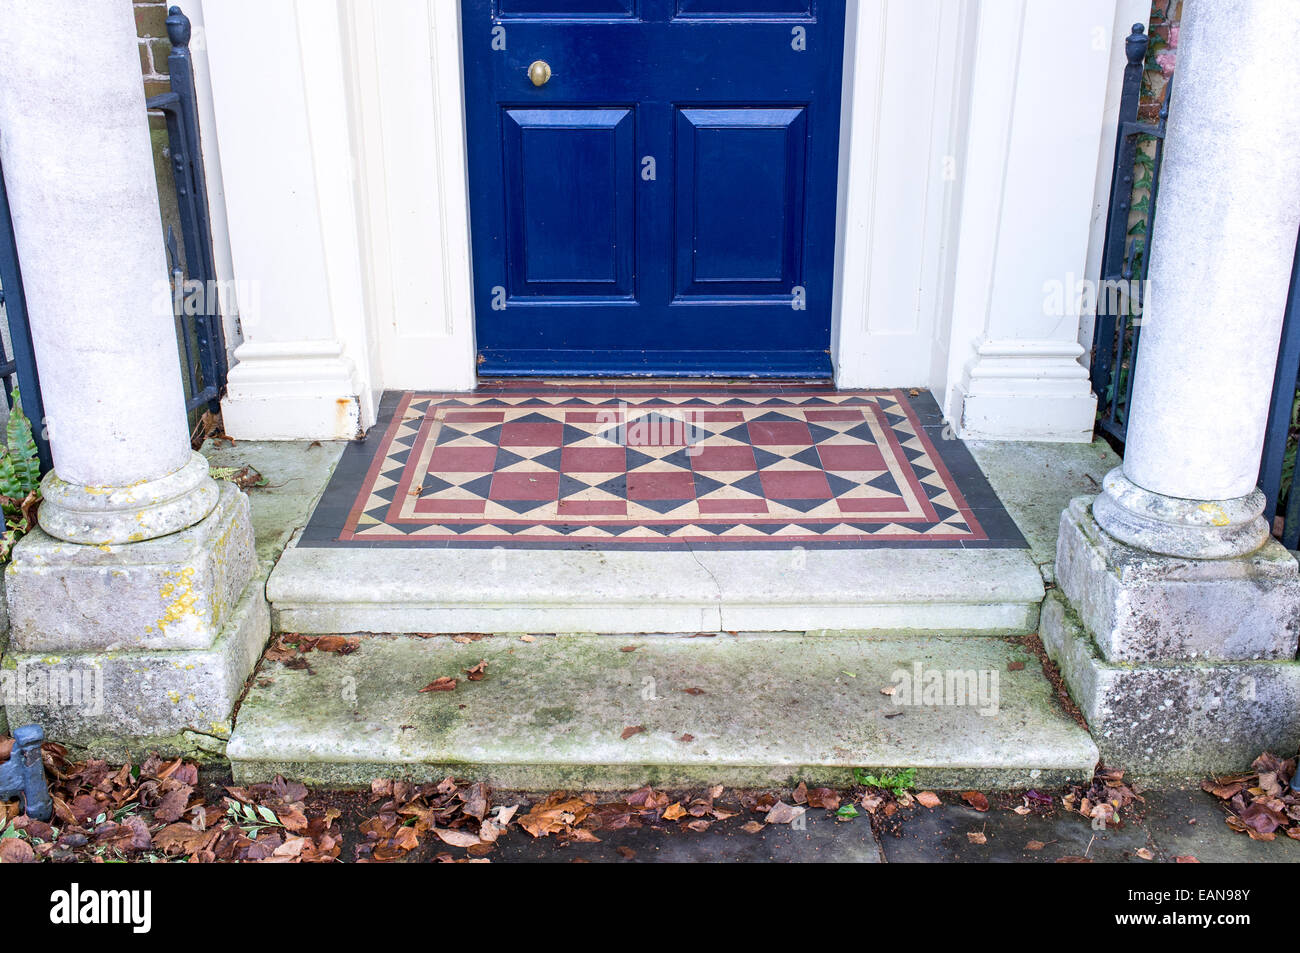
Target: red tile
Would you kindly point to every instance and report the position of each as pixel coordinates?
(593, 508)
(720, 416)
(723, 458)
(795, 485)
(660, 486)
(450, 506)
(474, 416)
(733, 506)
(525, 486)
(463, 460)
(778, 433)
(593, 460)
(833, 415)
(532, 434)
(851, 457)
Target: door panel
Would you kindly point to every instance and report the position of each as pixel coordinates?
(566, 9)
(665, 203)
(744, 8)
(569, 188)
(740, 186)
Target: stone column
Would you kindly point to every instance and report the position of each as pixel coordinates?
(131, 586)
(1171, 572)
(95, 272)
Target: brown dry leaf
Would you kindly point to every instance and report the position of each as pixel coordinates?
(443, 683)
(291, 848)
(1186, 859)
(782, 813)
(1015, 666)
(527, 638)
(632, 730)
(15, 850)
(628, 648)
(751, 827)
(1146, 853)
(457, 838)
(976, 837)
(889, 689)
(699, 826)
(928, 799)
(693, 691)
(478, 672)
(976, 800)
(674, 811)
(338, 644)
(1035, 845)
(686, 739)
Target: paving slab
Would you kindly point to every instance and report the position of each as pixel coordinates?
(1189, 822)
(822, 839)
(745, 711)
(1036, 481)
(939, 835)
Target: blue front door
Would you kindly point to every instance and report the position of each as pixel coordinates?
(653, 185)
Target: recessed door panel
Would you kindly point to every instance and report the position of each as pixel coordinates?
(569, 189)
(742, 9)
(740, 194)
(660, 198)
(566, 9)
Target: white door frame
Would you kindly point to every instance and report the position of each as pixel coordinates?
(942, 174)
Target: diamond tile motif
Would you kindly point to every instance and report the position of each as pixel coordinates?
(649, 465)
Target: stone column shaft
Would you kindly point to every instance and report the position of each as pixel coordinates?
(76, 155)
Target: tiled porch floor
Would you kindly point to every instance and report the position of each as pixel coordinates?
(660, 465)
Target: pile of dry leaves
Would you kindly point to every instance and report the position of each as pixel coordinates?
(1104, 801)
(1260, 803)
(465, 816)
(156, 811)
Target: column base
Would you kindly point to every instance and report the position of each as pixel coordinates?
(1194, 529)
(1026, 390)
(138, 646)
(1175, 718)
(304, 390)
(98, 515)
(1143, 607)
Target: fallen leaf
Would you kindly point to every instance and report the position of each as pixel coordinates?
(751, 827)
(456, 838)
(976, 837)
(15, 850)
(976, 800)
(782, 813)
(442, 683)
(1035, 845)
(1146, 853)
(928, 799)
(633, 730)
(478, 672)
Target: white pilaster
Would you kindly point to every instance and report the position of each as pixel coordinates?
(1028, 179)
(282, 117)
(76, 157)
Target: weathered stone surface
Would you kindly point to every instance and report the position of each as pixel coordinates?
(747, 710)
(174, 592)
(1143, 607)
(501, 590)
(129, 702)
(1175, 718)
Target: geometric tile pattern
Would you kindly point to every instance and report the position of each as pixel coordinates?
(644, 466)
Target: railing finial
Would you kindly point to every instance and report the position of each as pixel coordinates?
(1135, 46)
(178, 27)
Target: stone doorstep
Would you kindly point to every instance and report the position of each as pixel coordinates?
(1175, 718)
(759, 710)
(1142, 606)
(888, 591)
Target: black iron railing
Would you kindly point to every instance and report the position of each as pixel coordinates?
(1125, 254)
(18, 360)
(1278, 461)
(199, 323)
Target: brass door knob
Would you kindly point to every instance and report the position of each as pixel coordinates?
(539, 72)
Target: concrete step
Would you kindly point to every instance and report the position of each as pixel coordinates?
(893, 591)
(746, 710)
